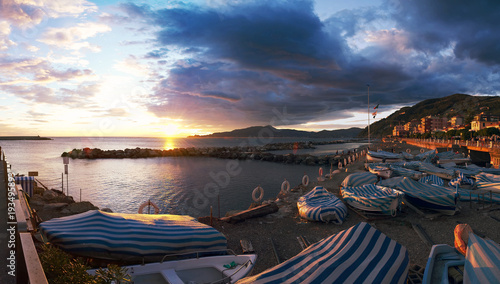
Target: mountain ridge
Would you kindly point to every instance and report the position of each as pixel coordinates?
(257, 131)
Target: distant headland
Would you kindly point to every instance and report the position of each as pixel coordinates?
(24, 138)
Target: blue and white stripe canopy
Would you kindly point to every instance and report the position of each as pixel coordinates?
(131, 236)
(370, 197)
(27, 183)
(432, 179)
(482, 261)
(486, 181)
(429, 196)
(356, 255)
(460, 180)
(359, 179)
(321, 205)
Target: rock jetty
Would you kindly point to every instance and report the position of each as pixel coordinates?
(261, 153)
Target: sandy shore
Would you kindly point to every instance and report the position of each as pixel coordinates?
(285, 226)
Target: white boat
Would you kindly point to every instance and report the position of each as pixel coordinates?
(383, 157)
(210, 269)
(381, 171)
(442, 259)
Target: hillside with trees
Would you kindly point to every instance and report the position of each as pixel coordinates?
(458, 104)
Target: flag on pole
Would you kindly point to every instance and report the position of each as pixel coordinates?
(374, 114)
(376, 107)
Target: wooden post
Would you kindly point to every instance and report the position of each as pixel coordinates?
(62, 182)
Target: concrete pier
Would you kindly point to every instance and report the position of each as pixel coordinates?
(5, 278)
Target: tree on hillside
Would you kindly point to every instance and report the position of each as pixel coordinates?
(488, 132)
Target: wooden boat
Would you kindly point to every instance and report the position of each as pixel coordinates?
(373, 198)
(131, 237)
(321, 205)
(359, 254)
(209, 269)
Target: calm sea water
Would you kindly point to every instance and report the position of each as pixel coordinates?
(178, 185)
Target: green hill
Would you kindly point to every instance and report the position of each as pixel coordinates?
(465, 105)
(256, 131)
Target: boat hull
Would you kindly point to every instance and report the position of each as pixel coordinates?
(193, 270)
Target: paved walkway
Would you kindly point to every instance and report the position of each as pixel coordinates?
(5, 278)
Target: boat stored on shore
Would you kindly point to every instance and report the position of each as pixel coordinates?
(321, 205)
(373, 198)
(131, 237)
(227, 268)
(429, 196)
(358, 254)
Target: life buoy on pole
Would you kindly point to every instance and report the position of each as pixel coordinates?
(408, 151)
(321, 171)
(305, 180)
(285, 186)
(340, 165)
(422, 150)
(148, 203)
(258, 190)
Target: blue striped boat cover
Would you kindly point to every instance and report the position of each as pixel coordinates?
(358, 179)
(478, 169)
(413, 165)
(468, 195)
(482, 261)
(432, 179)
(130, 236)
(486, 181)
(372, 197)
(321, 205)
(439, 198)
(429, 155)
(460, 180)
(360, 254)
(27, 183)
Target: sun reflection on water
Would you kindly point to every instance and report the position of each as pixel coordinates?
(170, 143)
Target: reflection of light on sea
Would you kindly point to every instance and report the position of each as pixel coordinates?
(169, 144)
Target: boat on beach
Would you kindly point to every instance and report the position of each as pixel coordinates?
(322, 205)
(227, 268)
(381, 171)
(131, 237)
(383, 157)
(373, 198)
(429, 196)
(359, 254)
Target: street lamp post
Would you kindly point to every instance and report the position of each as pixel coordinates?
(368, 85)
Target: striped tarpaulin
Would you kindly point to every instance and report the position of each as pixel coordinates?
(372, 197)
(359, 179)
(486, 181)
(429, 196)
(432, 179)
(473, 195)
(460, 180)
(130, 236)
(321, 205)
(482, 261)
(403, 172)
(360, 254)
(27, 183)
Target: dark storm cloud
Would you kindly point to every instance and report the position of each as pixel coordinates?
(471, 28)
(252, 58)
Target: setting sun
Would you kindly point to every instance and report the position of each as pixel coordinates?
(171, 130)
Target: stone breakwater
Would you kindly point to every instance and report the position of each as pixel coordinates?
(239, 152)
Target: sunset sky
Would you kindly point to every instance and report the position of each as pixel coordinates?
(178, 68)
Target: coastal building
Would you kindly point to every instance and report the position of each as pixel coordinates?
(457, 120)
(399, 131)
(412, 126)
(432, 123)
(484, 120)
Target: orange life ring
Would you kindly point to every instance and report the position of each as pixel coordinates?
(305, 180)
(321, 171)
(259, 190)
(340, 165)
(285, 186)
(148, 203)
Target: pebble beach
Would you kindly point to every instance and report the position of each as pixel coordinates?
(283, 228)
